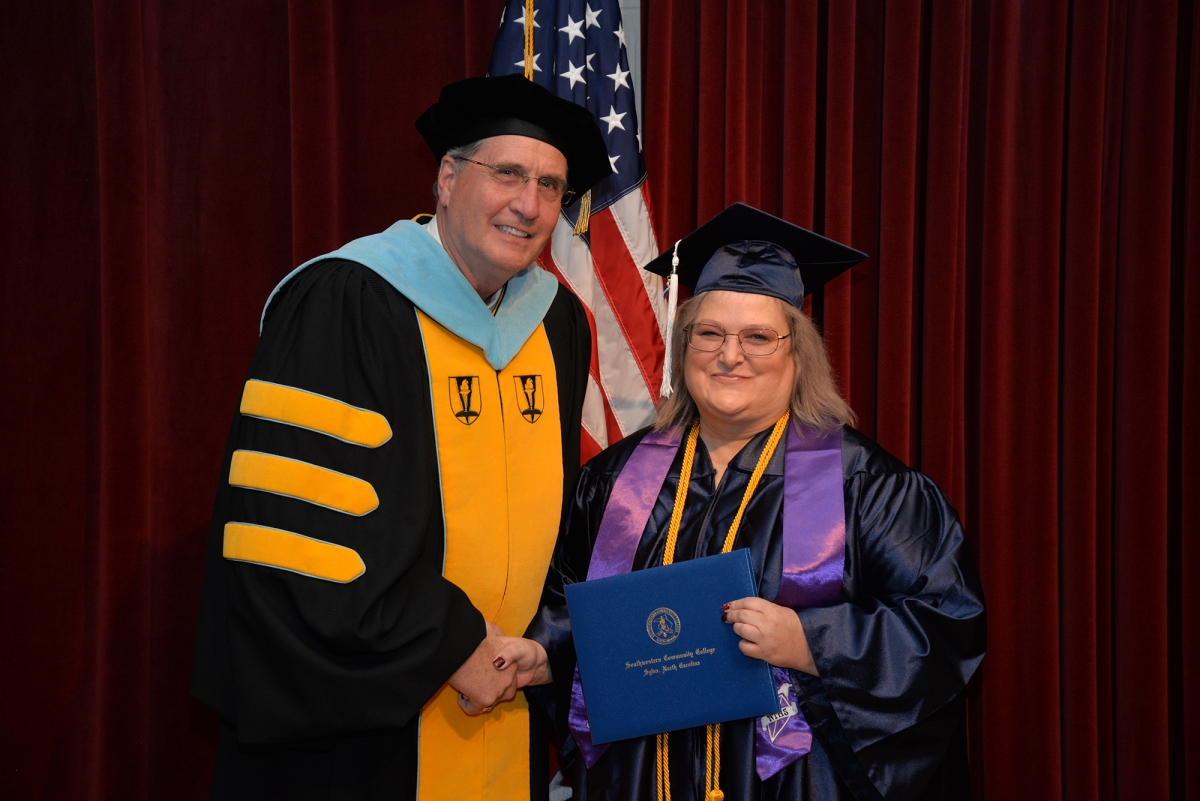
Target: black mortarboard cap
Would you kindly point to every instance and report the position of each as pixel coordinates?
(743, 249)
(477, 108)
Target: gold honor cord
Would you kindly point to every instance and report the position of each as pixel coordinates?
(712, 763)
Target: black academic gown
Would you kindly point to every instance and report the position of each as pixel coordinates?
(319, 685)
(894, 653)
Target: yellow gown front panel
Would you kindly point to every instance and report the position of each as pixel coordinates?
(499, 447)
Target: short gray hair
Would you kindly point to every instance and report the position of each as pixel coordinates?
(466, 151)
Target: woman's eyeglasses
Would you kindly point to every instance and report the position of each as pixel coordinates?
(754, 341)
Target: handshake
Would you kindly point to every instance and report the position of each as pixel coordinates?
(498, 668)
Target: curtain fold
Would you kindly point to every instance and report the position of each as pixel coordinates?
(1184, 502)
(1023, 176)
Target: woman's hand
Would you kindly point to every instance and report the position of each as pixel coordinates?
(771, 633)
(518, 657)
(479, 682)
(527, 657)
(479, 686)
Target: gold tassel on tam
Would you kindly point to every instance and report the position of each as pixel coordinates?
(585, 213)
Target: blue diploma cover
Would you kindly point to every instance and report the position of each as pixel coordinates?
(655, 656)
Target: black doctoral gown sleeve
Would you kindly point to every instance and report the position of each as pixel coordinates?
(895, 654)
(285, 657)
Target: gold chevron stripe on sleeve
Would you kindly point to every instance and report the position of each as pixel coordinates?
(298, 407)
(307, 482)
(286, 550)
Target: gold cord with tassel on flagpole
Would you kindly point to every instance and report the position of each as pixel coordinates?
(585, 202)
(529, 39)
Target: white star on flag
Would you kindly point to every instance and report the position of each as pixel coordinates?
(572, 30)
(521, 19)
(612, 162)
(591, 17)
(618, 78)
(536, 68)
(619, 32)
(574, 74)
(614, 119)
(590, 56)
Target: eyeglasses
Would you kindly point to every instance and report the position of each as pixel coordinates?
(550, 189)
(754, 341)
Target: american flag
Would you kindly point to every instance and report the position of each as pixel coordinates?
(579, 53)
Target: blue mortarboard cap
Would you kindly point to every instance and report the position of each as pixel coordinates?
(743, 249)
(753, 266)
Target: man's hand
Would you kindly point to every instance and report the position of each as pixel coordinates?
(527, 658)
(771, 633)
(480, 685)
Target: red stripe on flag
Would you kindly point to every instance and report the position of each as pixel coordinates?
(588, 446)
(546, 262)
(621, 281)
(610, 421)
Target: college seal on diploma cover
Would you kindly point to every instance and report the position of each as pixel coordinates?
(663, 626)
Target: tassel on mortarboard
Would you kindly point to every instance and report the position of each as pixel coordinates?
(664, 391)
(585, 213)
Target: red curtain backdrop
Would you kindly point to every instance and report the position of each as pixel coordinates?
(1023, 174)
(162, 165)
(1025, 177)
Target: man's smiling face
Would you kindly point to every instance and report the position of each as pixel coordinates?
(490, 231)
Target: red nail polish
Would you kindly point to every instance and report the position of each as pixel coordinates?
(499, 663)
(725, 607)
(724, 618)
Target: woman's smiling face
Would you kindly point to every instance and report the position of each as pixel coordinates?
(731, 389)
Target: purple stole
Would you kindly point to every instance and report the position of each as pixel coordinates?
(814, 546)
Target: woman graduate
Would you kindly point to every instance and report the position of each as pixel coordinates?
(869, 610)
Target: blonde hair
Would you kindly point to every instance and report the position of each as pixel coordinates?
(816, 402)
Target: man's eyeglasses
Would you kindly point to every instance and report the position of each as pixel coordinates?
(550, 189)
(754, 341)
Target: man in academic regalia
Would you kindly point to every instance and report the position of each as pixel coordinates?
(394, 479)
